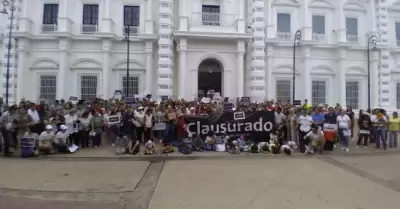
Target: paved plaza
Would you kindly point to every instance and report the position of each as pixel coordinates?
(354, 181)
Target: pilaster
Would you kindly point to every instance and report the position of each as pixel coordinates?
(182, 67)
(64, 47)
(107, 45)
(306, 74)
(149, 68)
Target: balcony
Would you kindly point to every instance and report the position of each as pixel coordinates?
(353, 39)
(45, 28)
(284, 36)
(131, 30)
(213, 22)
(318, 37)
(89, 29)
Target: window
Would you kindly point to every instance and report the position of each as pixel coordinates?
(352, 26)
(50, 14)
(318, 24)
(352, 94)
(131, 15)
(398, 95)
(397, 28)
(88, 87)
(283, 22)
(318, 92)
(283, 90)
(210, 15)
(133, 83)
(90, 14)
(48, 87)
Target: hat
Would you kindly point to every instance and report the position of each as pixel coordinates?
(49, 127)
(190, 135)
(63, 127)
(140, 108)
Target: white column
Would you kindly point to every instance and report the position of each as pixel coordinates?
(107, 9)
(63, 47)
(182, 68)
(63, 20)
(240, 22)
(240, 74)
(271, 31)
(106, 68)
(183, 17)
(307, 76)
(341, 32)
(25, 8)
(149, 17)
(20, 71)
(342, 78)
(149, 68)
(374, 79)
(269, 73)
(307, 30)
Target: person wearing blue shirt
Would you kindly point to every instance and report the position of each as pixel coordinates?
(318, 118)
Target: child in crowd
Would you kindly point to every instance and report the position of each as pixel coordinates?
(242, 143)
(167, 147)
(187, 145)
(274, 144)
(198, 144)
(210, 141)
(149, 147)
(232, 145)
(253, 148)
(288, 148)
(263, 147)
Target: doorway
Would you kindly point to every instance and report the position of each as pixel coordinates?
(209, 77)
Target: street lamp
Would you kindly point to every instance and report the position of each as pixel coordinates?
(371, 40)
(296, 42)
(8, 4)
(128, 41)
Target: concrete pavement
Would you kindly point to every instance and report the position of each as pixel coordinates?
(331, 182)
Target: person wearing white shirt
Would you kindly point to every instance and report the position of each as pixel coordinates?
(305, 121)
(72, 128)
(46, 139)
(84, 126)
(343, 123)
(33, 113)
(139, 122)
(60, 140)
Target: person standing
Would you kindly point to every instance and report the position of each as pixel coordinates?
(344, 124)
(364, 125)
(304, 122)
(8, 123)
(394, 128)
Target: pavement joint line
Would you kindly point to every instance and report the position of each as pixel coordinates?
(360, 173)
(6, 189)
(140, 198)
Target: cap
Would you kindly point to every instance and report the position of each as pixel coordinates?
(63, 127)
(49, 127)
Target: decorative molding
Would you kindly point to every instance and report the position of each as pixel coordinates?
(219, 59)
(355, 70)
(133, 65)
(322, 70)
(284, 69)
(395, 6)
(321, 4)
(354, 6)
(289, 3)
(45, 63)
(86, 63)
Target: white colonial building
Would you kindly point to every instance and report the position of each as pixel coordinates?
(237, 47)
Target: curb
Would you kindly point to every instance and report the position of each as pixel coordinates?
(182, 157)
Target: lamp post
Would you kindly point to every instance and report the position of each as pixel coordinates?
(371, 40)
(8, 4)
(128, 41)
(296, 42)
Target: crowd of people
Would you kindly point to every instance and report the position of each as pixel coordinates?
(136, 126)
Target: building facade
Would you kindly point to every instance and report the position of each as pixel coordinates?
(179, 48)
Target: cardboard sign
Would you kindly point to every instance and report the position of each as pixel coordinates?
(130, 100)
(118, 94)
(72, 98)
(164, 98)
(228, 107)
(226, 99)
(245, 100)
(148, 96)
(113, 119)
(239, 115)
(160, 126)
(297, 102)
(206, 100)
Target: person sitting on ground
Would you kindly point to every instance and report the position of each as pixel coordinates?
(231, 145)
(210, 141)
(61, 139)
(253, 148)
(187, 145)
(121, 144)
(242, 143)
(149, 148)
(288, 148)
(134, 146)
(198, 144)
(31, 149)
(274, 144)
(317, 140)
(46, 139)
(263, 147)
(167, 147)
